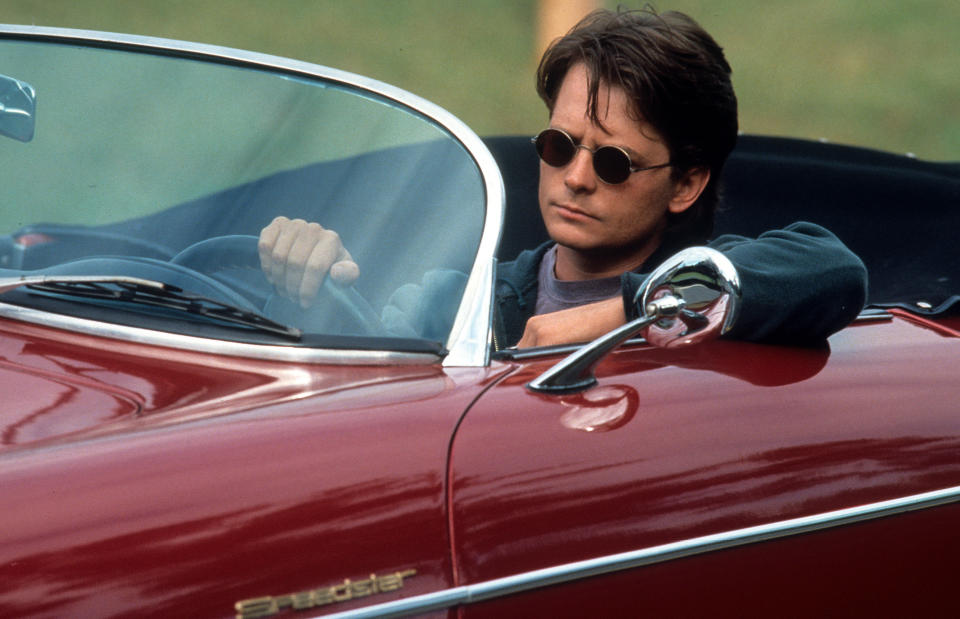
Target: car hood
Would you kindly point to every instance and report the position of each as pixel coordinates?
(64, 387)
(43, 405)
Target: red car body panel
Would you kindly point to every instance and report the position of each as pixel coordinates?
(316, 475)
(235, 479)
(676, 444)
(894, 567)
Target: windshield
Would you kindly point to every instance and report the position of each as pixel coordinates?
(120, 163)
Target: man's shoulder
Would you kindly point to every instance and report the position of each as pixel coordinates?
(521, 272)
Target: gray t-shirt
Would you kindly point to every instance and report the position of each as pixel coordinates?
(554, 294)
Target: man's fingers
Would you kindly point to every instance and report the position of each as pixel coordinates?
(321, 258)
(266, 243)
(280, 254)
(296, 256)
(345, 272)
(310, 240)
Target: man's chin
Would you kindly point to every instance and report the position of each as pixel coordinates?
(577, 244)
(572, 236)
(601, 251)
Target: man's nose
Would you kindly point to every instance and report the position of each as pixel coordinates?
(579, 174)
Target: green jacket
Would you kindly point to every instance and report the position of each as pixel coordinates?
(799, 285)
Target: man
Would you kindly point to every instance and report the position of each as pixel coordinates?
(642, 118)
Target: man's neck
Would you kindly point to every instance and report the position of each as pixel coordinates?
(576, 265)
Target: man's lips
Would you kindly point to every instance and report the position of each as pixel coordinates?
(571, 212)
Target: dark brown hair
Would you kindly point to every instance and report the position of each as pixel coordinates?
(678, 81)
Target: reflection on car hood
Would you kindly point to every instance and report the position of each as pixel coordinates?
(46, 406)
(64, 387)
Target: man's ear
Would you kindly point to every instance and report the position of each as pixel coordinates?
(688, 188)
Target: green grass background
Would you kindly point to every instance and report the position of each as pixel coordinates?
(883, 73)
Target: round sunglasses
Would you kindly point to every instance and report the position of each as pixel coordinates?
(611, 163)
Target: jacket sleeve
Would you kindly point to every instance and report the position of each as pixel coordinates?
(799, 284)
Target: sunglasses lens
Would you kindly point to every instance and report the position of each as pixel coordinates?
(611, 164)
(555, 148)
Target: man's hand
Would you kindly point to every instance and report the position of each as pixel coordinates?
(574, 325)
(296, 255)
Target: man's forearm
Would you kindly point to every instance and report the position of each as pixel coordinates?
(574, 325)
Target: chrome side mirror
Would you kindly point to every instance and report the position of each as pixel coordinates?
(693, 296)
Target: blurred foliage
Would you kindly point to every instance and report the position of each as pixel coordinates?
(884, 74)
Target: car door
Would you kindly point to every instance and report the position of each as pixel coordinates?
(726, 478)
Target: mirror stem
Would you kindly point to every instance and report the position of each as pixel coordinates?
(575, 372)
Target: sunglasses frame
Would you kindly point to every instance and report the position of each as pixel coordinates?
(593, 151)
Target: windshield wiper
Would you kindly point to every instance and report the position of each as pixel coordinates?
(147, 292)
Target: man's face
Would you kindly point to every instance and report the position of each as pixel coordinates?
(583, 213)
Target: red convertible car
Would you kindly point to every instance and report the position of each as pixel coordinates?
(178, 441)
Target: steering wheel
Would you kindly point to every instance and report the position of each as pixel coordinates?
(337, 308)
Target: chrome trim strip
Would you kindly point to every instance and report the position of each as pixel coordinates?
(268, 352)
(536, 579)
(467, 343)
(521, 354)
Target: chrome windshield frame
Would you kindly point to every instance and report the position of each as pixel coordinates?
(469, 341)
